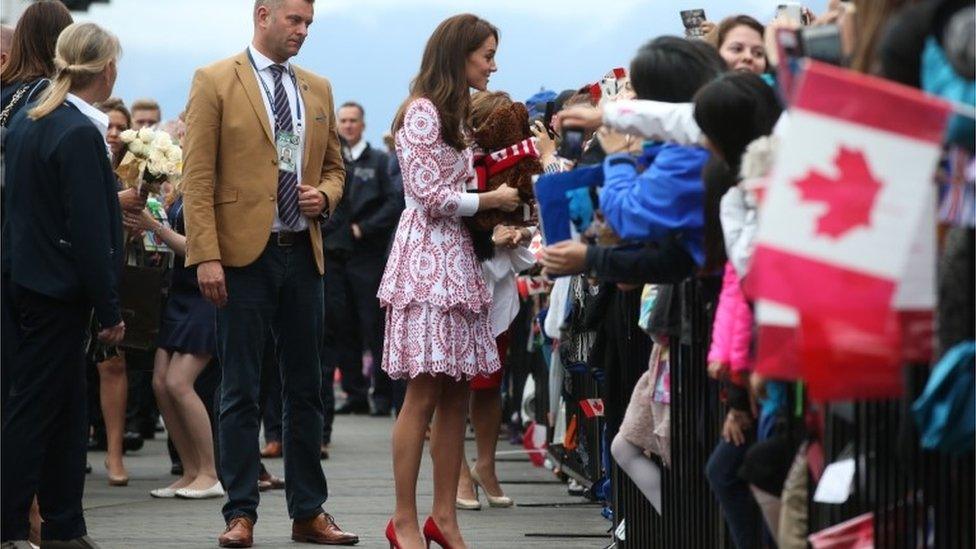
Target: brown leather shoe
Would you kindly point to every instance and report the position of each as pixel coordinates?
(267, 481)
(239, 533)
(321, 529)
(271, 450)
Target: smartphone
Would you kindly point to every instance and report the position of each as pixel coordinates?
(789, 49)
(792, 11)
(571, 144)
(823, 44)
(692, 20)
(547, 118)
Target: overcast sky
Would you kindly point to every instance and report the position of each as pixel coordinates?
(370, 49)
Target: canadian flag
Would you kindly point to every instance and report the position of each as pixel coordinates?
(845, 216)
(592, 407)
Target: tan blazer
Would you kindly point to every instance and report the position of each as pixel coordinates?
(230, 166)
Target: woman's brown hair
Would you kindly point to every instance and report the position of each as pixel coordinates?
(34, 40)
(717, 37)
(116, 104)
(442, 78)
(870, 22)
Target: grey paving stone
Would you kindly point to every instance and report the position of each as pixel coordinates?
(361, 485)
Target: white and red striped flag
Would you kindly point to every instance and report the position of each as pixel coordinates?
(846, 200)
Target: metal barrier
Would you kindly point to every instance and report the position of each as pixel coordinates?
(918, 499)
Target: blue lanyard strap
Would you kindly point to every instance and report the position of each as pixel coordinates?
(267, 91)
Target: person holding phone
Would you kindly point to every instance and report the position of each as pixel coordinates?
(438, 333)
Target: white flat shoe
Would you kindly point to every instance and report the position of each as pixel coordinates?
(163, 493)
(215, 491)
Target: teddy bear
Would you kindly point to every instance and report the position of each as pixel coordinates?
(509, 158)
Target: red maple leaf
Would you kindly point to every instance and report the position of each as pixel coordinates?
(849, 196)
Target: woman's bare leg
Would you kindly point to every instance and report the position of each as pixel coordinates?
(447, 438)
(182, 374)
(423, 393)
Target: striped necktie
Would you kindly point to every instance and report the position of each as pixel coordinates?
(288, 210)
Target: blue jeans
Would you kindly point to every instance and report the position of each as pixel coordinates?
(280, 291)
(738, 506)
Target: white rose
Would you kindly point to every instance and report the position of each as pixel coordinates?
(137, 148)
(128, 136)
(163, 141)
(146, 135)
(157, 157)
(175, 155)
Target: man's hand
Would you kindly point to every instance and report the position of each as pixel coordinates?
(210, 277)
(311, 201)
(130, 200)
(357, 233)
(564, 258)
(112, 335)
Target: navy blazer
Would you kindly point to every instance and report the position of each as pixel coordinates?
(62, 230)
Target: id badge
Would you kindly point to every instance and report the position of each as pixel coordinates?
(287, 143)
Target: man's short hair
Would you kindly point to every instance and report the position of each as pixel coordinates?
(362, 111)
(146, 105)
(272, 4)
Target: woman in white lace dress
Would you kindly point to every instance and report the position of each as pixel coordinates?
(437, 304)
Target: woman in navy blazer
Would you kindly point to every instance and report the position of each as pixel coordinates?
(62, 244)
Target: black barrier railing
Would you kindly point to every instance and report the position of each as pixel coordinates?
(919, 499)
(690, 517)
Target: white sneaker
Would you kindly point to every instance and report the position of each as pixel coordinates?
(163, 493)
(215, 491)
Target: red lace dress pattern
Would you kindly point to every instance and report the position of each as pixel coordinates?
(437, 303)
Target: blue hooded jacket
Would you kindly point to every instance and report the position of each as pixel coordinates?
(666, 198)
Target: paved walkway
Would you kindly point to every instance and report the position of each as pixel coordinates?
(361, 486)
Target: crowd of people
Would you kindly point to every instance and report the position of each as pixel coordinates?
(286, 252)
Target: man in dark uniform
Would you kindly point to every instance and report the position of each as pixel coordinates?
(356, 243)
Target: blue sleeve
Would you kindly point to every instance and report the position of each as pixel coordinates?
(667, 196)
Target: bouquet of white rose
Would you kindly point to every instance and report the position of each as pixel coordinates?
(151, 158)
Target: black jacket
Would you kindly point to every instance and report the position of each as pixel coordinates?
(62, 230)
(370, 200)
(664, 262)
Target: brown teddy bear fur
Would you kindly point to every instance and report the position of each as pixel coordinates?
(504, 127)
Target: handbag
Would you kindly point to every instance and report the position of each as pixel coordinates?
(140, 292)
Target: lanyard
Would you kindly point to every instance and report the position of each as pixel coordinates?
(267, 91)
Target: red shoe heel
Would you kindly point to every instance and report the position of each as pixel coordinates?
(391, 536)
(433, 533)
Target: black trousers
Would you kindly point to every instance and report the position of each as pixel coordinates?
(271, 397)
(355, 321)
(280, 291)
(45, 420)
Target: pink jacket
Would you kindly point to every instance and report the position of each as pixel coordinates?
(732, 330)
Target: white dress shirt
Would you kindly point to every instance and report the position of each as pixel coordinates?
(97, 117)
(357, 150)
(262, 64)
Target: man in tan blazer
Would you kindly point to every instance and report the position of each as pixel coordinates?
(262, 169)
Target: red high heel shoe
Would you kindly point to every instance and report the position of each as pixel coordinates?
(433, 533)
(391, 536)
